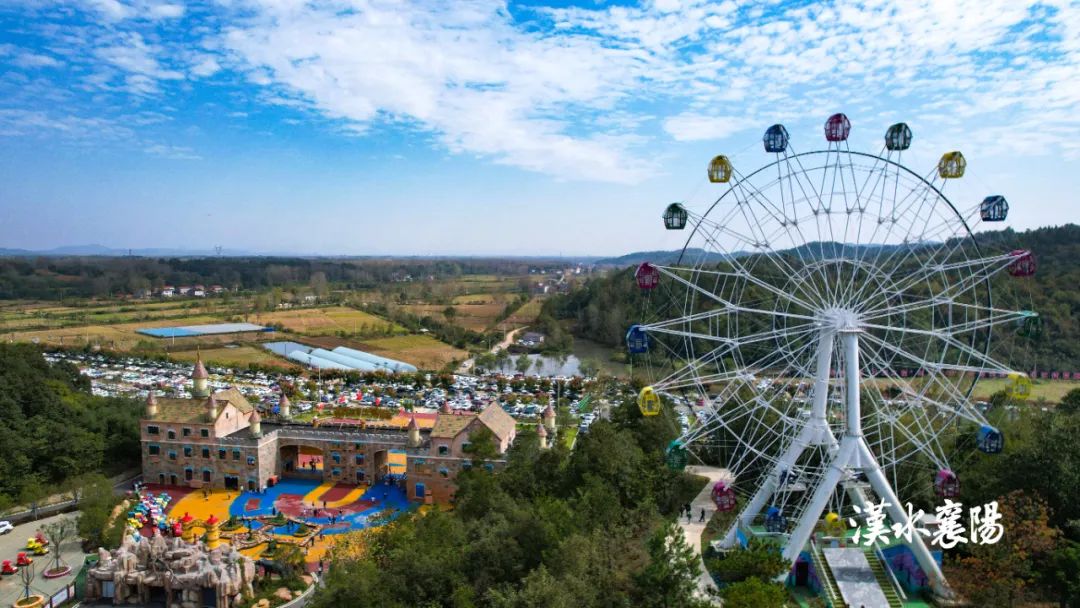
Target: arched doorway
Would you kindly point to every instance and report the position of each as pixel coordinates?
(301, 461)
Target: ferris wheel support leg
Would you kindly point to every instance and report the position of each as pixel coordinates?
(926, 560)
(810, 516)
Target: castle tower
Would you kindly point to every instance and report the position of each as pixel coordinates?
(211, 408)
(151, 406)
(200, 380)
(542, 433)
(255, 424)
(549, 418)
(414, 433)
(213, 532)
(444, 408)
(284, 407)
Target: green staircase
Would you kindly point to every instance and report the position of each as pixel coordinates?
(884, 579)
(828, 584)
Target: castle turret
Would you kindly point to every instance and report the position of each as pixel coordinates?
(444, 408)
(549, 418)
(200, 380)
(255, 424)
(284, 407)
(542, 433)
(213, 532)
(211, 408)
(414, 433)
(151, 406)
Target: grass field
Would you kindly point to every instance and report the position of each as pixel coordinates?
(526, 314)
(328, 321)
(235, 357)
(120, 336)
(478, 298)
(477, 317)
(1051, 390)
(424, 352)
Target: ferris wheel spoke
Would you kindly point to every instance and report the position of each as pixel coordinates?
(992, 366)
(731, 306)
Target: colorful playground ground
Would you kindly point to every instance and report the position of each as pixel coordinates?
(349, 507)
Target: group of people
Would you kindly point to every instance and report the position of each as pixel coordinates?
(689, 512)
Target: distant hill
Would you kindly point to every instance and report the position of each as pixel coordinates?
(103, 251)
(808, 251)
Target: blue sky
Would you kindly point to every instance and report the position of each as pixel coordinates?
(483, 127)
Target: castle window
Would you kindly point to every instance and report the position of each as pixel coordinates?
(188, 474)
(221, 453)
(359, 476)
(359, 459)
(153, 449)
(444, 471)
(172, 454)
(336, 472)
(236, 454)
(251, 461)
(152, 429)
(443, 450)
(204, 432)
(336, 457)
(186, 432)
(171, 434)
(206, 452)
(188, 451)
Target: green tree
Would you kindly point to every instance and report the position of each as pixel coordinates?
(1070, 403)
(522, 364)
(754, 593)
(1063, 574)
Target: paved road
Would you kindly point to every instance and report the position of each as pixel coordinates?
(695, 527)
(13, 542)
(508, 339)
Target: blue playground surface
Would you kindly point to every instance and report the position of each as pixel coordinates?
(355, 516)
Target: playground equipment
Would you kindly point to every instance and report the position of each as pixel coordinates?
(830, 313)
(35, 546)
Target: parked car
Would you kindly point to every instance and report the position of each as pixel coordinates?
(5, 527)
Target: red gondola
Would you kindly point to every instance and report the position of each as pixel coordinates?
(1023, 264)
(723, 496)
(946, 484)
(837, 128)
(647, 276)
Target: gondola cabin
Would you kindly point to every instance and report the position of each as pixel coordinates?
(720, 170)
(675, 217)
(723, 496)
(994, 209)
(1023, 264)
(946, 484)
(951, 165)
(647, 276)
(648, 402)
(775, 139)
(990, 440)
(898, 137)
(1019, 386)
(775, 522)
(637, 340)
(837, 128)
(676, 455)
(1030, 326)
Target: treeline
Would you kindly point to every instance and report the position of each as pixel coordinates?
(591, 528)
(605, 307)
(54, 430)
(53, 278)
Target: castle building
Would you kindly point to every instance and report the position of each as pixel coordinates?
(217, 439)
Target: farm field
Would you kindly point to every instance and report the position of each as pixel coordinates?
(327, 321)
(120, 336)
(422, 351)
(526, 314)
(477, 317)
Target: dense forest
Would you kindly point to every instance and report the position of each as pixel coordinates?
(554, 528)
(53, 430)
(605, 307)
(53, 278)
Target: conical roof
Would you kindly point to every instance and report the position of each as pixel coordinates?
(200, 370)
(444, 408)
(541, 431)
(412, 424)
(549, 412)
(151, 399)
(255, 417)
(284, 400)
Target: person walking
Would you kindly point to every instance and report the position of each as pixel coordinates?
(702, 519)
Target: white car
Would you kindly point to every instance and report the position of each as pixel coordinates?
(5, 527)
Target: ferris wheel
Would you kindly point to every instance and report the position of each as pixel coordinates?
(828, 318)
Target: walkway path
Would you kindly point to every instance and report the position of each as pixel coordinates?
(693, 530)
(467, 365)
(12, 543)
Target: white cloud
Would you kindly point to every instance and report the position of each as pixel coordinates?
(207, 66)
(172, 152)
(694, 127)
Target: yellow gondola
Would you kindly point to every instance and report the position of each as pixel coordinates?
(951, 165)
(720, 170)
(1019, 386)
(648, 402)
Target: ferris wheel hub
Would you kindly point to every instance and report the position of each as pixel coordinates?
(841, 320)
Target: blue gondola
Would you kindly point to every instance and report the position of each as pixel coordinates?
(637, 341)
(775, 521)
(990, 440)
(676, 455)
(776, 139)
(994, 209)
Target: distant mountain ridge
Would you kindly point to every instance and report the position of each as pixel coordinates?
(809, 250)
(103, 251)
